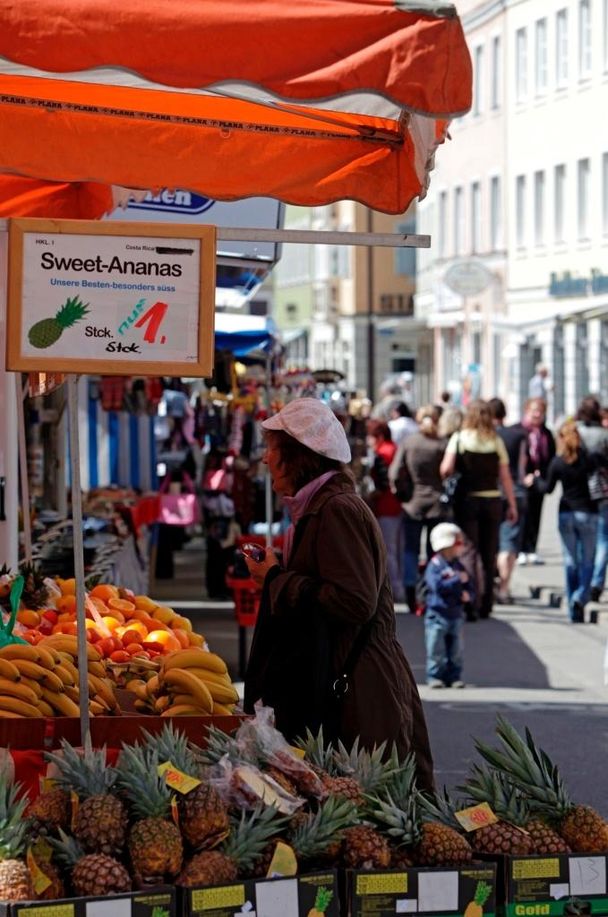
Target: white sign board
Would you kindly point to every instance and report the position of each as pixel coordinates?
(126, 299)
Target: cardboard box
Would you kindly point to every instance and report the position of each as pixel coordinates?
(428, 891)
(284, 897)
(153, 903)
(547, 884)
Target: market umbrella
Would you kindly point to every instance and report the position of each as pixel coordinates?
(308, 103)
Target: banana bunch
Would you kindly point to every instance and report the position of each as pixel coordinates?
(190, 682)
(42, 680)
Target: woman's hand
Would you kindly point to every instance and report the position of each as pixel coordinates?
(512, 513)
(258, 571)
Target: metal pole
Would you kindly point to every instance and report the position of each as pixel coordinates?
(83, 681)
(23, 477)
(371, 336)
(267, 478)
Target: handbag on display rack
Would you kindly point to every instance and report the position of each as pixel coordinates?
(179, 508)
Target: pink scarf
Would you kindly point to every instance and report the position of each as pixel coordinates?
(296, 507)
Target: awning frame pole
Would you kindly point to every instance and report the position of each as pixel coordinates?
(319, 237)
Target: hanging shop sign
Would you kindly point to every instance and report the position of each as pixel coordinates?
(110, 298)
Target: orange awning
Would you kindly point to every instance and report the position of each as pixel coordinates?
(308, 103)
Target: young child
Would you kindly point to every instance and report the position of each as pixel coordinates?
(448, 590)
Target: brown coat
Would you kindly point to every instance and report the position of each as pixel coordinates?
(336, 581)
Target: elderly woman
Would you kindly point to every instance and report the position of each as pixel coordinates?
(324, 651)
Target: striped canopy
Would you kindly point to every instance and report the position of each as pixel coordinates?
(308, 102)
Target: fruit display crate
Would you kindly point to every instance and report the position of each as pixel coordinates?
(466, 891)
(29, 738)
(156, 902)
(556, 885)
(308, 895)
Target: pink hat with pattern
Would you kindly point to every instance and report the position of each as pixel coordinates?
(314, 425)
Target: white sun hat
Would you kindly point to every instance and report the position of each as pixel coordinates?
(314, 425)
(445, 535)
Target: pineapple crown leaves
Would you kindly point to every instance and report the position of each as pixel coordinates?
(85, 773)
(250, 833)
(440, 807)
(368, 768)
(318, 751)
(13, 825)
(138, 779)
(401, 783)
(495, 788)
(219, 744)
(314, 834)
(323, 898)
(400, 822)
(71, 311)
(67, 849)
(528, 766)
(172, 745)
(483, 890)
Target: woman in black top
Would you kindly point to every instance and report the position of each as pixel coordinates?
(577, 514)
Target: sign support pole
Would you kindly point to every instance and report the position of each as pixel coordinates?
(23, 477)
(83, 681)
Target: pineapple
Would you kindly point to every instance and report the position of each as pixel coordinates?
(100, 824)
(56, 889)
(154, 843)
(322, 902)
(35, 591)
(49, 811)
(203, 817)
(92, 874)
(513, 813)
(475, 907)
(533, 772)
(320, 755)
(365, 848)
(238, 854)
(219, 744)
(47, 332)
(15, 879)
(317, 837)
(424, 843)
(369, 768)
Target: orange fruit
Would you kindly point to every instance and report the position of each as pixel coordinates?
(131, 635)
(196, 639)
(99, 604)
(182, 636)
(68, 586)
(69, 627)
(181, 623)
(104, 591)
(132, 648)
(28, 617)
(144, 603)
(111, 623)
(66, 603)
(121, 605)
(165, 639)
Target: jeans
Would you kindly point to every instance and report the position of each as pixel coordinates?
(444, 642)
(412, 529)
(601, 548)
(480, 518)
(578, 531)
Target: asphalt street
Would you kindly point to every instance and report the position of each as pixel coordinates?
(526, 662)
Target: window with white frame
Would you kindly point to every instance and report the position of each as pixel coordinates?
(442, 224)
(495, 213)
(478, 80)
(561, 47)
(539, 208)
(475, 216)
(521, 65)
(540, 69)
(584, 197)
(584, 38)
(458, 220)
(559, 203)
(495, 86)
(520, 211)
(605, 194)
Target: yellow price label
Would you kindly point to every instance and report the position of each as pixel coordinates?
(283, 862)
(476, 817)
(176, 779)
(40, 880)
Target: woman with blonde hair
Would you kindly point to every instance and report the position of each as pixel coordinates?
(479, 455)
(577, 512)
(417, 461)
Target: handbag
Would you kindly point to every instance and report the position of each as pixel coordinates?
(597, 481)
(452, 488)
(403, 486)
(179, 509)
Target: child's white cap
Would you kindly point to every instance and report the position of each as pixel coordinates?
(445, 535)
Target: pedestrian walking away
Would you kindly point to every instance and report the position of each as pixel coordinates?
(577, 513)
(541, 449)
(448, 588)
(324, 650)
(595, 439)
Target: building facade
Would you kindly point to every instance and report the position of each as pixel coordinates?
(353, 306)
(518, 269)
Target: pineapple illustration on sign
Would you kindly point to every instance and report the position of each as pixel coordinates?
(322, 900)
(475, 907)
(47, 331)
